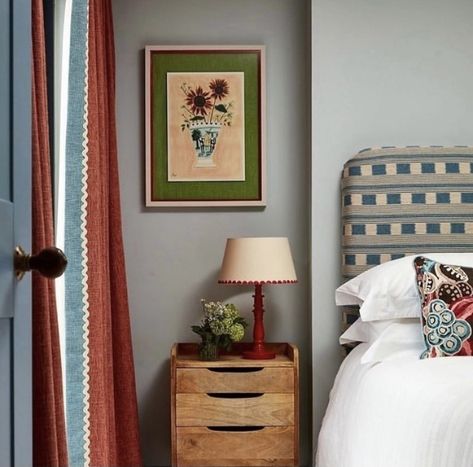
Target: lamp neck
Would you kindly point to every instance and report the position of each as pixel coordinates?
(258, 297)
(258, 310)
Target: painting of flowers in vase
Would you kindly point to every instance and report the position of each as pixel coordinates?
(206, 139)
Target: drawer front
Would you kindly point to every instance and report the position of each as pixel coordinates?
(200, 446)
(276, 380)
(218, 410)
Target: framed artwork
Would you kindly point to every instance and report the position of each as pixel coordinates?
(205, 126)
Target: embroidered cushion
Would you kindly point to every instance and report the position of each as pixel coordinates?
(446, 293)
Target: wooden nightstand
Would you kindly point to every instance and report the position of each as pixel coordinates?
(235, 412)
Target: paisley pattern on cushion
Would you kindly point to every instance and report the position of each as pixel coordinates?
(446, 293)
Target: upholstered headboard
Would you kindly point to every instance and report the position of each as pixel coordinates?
(400, 201)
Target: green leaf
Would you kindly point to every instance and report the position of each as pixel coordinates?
(196, 118)
(242, 321)
(198, 330)
(221, 108)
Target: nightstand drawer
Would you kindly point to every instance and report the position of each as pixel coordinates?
(235, 379)
(234, 409)
(269, 446)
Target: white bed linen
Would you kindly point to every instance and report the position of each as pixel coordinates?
(404, 412)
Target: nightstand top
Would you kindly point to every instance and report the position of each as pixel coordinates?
(185, 355)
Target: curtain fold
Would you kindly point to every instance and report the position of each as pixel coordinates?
(49, 435)
(101, 394)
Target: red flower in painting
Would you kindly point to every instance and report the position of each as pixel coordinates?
(198, 101)
(219, 88)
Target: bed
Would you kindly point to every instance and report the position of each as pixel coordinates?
(402, 413)
(388, 407)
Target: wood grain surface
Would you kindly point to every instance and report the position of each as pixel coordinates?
(271, 446)
(204, 410)
(267, 380)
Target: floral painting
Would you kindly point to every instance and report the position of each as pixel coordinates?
(205, 126)
(205, 118)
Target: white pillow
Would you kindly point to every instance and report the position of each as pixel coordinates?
(361, 331)
(398, 340)
(389, 290)
(369, 331)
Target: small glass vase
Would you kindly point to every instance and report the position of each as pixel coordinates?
(208, 350)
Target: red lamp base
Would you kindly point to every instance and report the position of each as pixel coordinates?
(258, 355)
(258, 352)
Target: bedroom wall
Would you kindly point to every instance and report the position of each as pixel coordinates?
(383, 73)
(173, 255)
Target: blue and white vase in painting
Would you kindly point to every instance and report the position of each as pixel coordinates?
(204, 138)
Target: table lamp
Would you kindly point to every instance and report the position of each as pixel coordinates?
(257, 261)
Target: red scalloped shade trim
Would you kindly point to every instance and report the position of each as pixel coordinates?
(258, 282)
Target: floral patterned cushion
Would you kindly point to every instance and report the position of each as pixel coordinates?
(446, 293)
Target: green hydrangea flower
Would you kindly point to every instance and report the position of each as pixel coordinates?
(237, 331)
(231, 312)
(227, 323)
(217, 327)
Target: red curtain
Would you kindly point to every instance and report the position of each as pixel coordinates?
(49, 436)
(114, 438)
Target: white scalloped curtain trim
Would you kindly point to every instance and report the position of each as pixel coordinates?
(85, 251)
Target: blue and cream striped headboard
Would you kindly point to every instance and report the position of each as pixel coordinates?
(400, 201)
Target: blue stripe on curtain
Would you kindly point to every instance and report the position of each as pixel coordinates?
(77, 436)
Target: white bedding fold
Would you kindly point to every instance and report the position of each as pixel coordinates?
(399, 413)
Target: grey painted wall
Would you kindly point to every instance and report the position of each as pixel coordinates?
(173, 255)
(384, 73)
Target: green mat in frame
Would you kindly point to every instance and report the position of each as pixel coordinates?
(205, 126)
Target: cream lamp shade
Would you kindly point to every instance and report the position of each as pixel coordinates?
(257, 260)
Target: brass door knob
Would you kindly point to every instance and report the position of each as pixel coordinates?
(50, 262)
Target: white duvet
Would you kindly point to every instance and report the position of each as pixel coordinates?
(400, 413)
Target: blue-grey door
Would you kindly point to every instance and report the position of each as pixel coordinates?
(15, 229)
